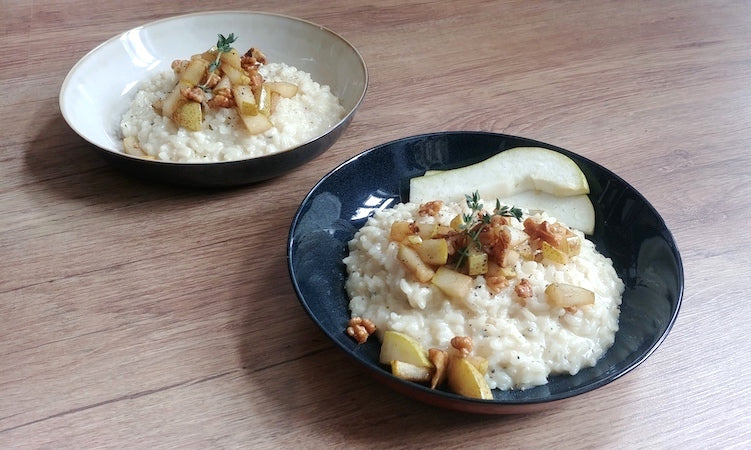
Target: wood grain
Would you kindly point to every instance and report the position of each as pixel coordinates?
(143, 316)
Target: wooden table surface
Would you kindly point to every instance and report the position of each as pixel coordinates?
(147, 316)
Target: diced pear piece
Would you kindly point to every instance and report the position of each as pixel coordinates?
(208, 55)
(230, 58)
(454, 284)
(412, 261)
(245, 100)
(413, 240)
(477, 262)
(504, 174)
(433, 251)
(264, 101)
(194, 72)
(456, 222)
(173, 100)
(284, 89)
(494, 269)
(442, 230)
(568, 295)
(256, 124)
(427, 230)
(411, 372)
(400, 230)
(224, 83)
(553, 254)
(236, 75)
(572, 245)
(189, 116)
(397, 346)
(464, 379)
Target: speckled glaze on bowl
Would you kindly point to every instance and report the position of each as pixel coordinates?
(99, 88)
(628, 230)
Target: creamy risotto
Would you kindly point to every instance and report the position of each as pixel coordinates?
(310, 113)
(524, 339)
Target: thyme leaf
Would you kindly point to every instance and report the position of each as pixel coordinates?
(474, 222)
(507, 211)
(223, 45)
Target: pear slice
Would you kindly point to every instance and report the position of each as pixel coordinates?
(194, 72)
(189, 116)
(398, 346)
(245, 100)
(568, 295)
(553, 254)
(433, 251)
(465, 379)
(504, 174)
(575, 211)
(454, 284)
(256, 124)
(411, 372)
(284, 89)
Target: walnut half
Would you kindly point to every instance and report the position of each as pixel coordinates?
(360, 329)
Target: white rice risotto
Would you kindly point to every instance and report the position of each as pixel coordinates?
(312, 111)
(524, 341)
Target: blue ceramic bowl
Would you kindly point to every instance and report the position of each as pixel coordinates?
(628, 230)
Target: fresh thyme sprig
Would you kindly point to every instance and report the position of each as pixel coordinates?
(474, 221)
(507, 211)
(223, 45)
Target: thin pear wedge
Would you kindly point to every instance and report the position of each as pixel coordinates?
(505, 174)
(465, 379)
(398, 346)
(411, 372)
(575, 211)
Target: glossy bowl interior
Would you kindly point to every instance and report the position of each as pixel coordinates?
(99, 88)
(628, 230)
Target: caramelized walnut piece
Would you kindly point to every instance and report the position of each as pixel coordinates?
(524, 288)
(463, 344)
(222, 98)
(221, 101)
(496, 239)
(455, 241)
(360, 329)
(194, 93)
(212, 80)
(552, 233)
(179, 65)
(250, 62)
(256, 79)
(496, 283)
(252, 59)
(430, 208)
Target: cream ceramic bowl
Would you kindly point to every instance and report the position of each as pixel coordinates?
(99, 88)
